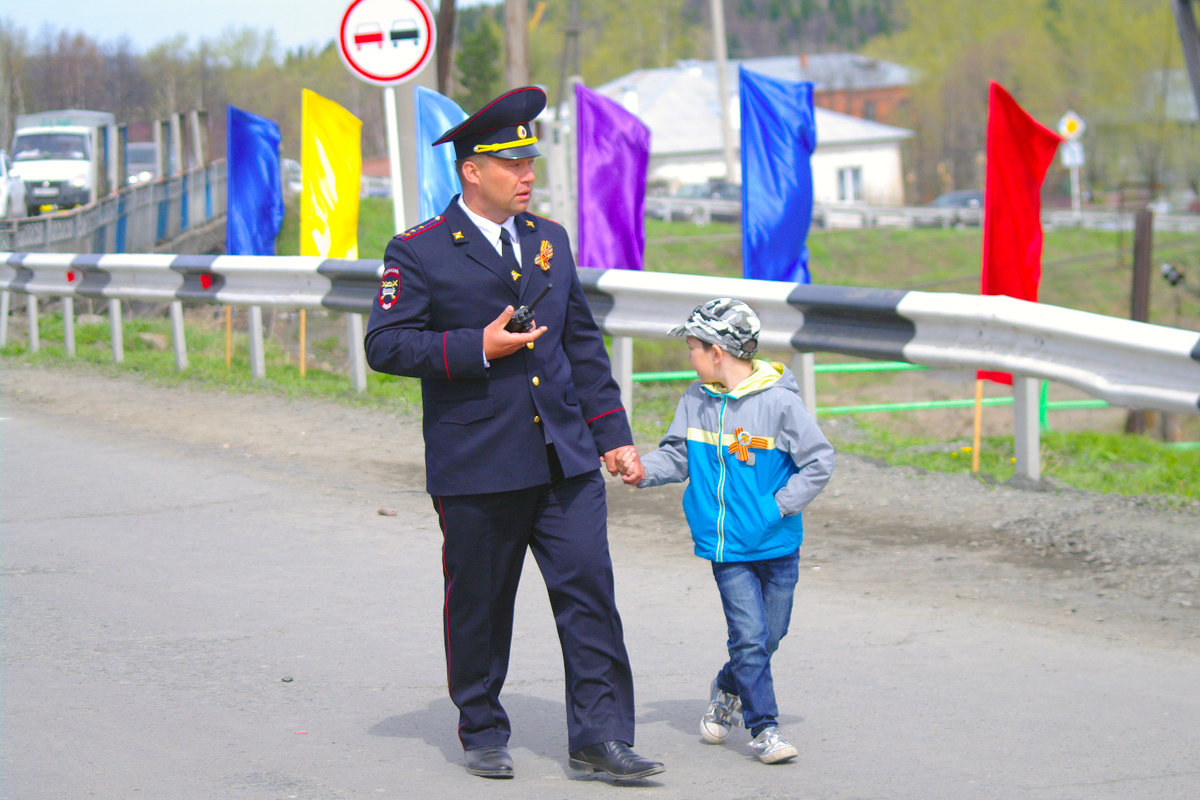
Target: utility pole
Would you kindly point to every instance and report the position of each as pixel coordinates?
(1139, 293)
(1185, 21)
(445, 46)
(516, 26)
(570, 55)
(719, 55)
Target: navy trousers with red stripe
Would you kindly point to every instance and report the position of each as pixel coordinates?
(485, 537)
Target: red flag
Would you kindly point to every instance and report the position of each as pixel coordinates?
(1019, 152)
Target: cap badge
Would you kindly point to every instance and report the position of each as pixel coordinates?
(542, 259)
(522, 133)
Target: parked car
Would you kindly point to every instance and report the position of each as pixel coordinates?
(962, 198)
(718, 201)
(12, 190)
(956, 209)
(291, 175)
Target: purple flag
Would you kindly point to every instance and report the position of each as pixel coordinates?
(614, 152)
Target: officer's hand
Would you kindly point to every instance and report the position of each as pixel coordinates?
(498, 343)
(625, 460)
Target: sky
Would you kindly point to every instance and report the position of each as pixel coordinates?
(295, 22)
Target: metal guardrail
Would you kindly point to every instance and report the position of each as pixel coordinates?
(1126, 363)
(137, 219)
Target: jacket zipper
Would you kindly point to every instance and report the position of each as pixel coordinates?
(721, 482)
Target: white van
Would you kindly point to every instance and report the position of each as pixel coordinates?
(63, 157)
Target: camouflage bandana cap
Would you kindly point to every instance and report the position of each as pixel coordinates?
(726, 322)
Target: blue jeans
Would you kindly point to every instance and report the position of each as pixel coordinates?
(757, 597)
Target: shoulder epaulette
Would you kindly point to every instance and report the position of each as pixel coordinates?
(539, 216)
(424, 226)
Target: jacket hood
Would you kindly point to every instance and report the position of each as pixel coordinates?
(765, 375)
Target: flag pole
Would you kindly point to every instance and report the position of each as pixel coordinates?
(978, 424)
(303, 358)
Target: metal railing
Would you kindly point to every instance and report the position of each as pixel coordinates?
(137, 219)
(854, 215)
(1126, 363)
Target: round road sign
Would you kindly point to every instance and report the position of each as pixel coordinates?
(386, 42)
(1071, 126)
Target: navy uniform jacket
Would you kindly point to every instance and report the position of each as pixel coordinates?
(486, 428)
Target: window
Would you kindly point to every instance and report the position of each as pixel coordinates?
(849, 181)
(869, 111)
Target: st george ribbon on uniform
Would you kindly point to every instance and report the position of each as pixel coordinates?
(779, 134)
(437, 178)
(613, 156)
(254, 204)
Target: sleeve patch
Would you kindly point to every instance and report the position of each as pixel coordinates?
(389, 288)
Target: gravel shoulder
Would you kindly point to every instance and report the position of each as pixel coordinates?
(1126, 567)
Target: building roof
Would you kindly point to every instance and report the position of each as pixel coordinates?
(681, 106)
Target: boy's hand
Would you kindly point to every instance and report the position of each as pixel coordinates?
(626, 461)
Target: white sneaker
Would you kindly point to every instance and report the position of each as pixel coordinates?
(771, 747)
(723, 710)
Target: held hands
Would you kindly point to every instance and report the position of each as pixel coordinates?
(498, 343)
(626, 461)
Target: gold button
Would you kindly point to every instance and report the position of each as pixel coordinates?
(536, 418)
(529, 345)
(536, 381)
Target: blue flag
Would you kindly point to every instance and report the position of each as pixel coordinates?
(255, 194)
(436, 177)
(779, 134)
(614, 153)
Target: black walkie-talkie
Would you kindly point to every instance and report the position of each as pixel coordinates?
(522, 318)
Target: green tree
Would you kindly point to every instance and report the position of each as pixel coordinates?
(478, 65)
(1093, 56)
(956, 49)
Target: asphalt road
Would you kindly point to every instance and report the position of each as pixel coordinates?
(193, 620)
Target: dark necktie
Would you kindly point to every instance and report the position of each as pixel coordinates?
(509, 257)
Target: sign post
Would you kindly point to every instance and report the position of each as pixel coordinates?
(388, 42)
(1071, 127)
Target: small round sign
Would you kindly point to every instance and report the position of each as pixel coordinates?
(1071, 126)
(386, 42)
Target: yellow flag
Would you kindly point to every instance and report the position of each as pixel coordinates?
(330, 175)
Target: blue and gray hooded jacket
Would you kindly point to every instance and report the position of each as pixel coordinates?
(754, 458)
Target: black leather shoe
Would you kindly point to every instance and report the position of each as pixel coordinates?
(489, 762)
(615, 759)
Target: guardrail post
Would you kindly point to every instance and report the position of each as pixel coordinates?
(358, 353)
(177, 337)
(4, 301)
(116, 330)
(1026, 435)
(258, 367)
(68, 314)
(35, 341)
(804, 368)
(622, 367)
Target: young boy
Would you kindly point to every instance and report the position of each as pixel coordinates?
(754, 458)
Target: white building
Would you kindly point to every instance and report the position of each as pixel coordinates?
(856, 160)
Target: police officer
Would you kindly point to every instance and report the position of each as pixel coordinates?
(515, 425)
